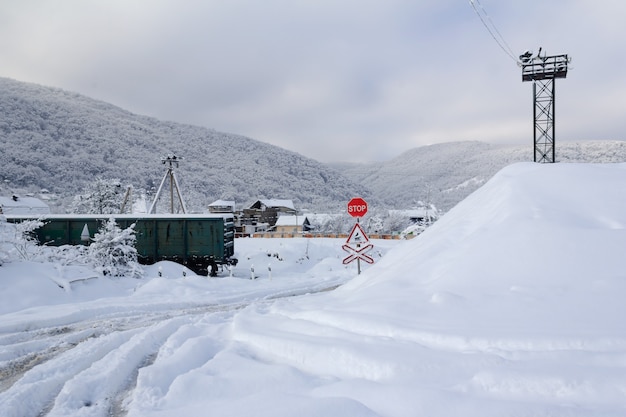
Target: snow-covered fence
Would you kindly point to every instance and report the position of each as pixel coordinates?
(270, 235)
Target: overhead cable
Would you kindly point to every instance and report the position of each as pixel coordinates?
(492, 29)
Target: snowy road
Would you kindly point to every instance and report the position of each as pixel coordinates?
(78, 351)
(92, 364)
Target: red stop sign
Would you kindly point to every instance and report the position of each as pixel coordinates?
(357, 207)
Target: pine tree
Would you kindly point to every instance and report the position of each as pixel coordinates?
(113, 251)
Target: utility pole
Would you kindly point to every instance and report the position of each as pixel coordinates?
(128, 197)
(170, 161)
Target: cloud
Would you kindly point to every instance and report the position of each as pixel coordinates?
(351, 80)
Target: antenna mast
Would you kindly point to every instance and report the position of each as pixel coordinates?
(170, 161)
(543, 71)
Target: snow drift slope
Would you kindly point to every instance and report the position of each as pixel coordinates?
(536, 239)
(511, 304)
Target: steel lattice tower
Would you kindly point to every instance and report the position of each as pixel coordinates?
(543, 71)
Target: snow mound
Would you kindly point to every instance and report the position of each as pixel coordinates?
(512, 301)
(538, 249)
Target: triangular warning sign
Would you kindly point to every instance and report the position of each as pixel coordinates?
(357, 235)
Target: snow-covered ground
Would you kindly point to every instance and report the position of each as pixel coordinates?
(512, 304)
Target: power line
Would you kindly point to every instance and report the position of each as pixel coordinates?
(492, 29)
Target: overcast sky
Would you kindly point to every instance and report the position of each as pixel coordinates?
(339, 80)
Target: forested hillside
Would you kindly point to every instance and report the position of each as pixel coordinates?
(61, 141)
(445, 174)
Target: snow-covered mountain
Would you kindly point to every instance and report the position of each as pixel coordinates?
(445, 174)
(61, 141)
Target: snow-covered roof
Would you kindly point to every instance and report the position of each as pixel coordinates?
(274, 203)
(23, 205)
(222, 205)
(288, 220)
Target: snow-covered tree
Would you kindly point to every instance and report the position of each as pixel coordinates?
(65, 255)
(332, 223)
(395, 222)
(17, 240)
(103, 196)
(113, 251)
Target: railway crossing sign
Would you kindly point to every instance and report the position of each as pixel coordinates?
(358, 253)
(357, 207)
(357, 237)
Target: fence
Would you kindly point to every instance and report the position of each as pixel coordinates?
(270, 235)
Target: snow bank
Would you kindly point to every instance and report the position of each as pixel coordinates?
(512, 301)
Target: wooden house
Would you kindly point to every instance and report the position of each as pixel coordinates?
(267, 211)
(292, 224)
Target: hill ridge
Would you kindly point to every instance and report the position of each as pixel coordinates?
(60, 141)
(444, 174)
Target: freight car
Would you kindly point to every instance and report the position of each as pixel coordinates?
(200, 242)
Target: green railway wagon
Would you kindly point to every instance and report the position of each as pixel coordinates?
(200, 242)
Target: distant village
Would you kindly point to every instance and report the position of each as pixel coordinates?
(280, 218)
(264, 218)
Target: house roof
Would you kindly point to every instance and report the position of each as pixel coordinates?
(274, 203)
(23, 205)
(223, 203)
(288, 220)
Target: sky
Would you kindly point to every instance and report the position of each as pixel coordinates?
(356, 81)
(522, 316)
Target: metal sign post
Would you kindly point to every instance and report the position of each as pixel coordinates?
(357, 207)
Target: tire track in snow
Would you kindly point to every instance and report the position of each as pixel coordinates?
(38, 386)
(19, 357)
(40, 362)
(45, 371)
(91, 391)
(70, 380)
(23, 350)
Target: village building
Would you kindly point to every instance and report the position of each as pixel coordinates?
(222, 206)
(267, 211)
(262, 215)
(292, 224)
(30, 206)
